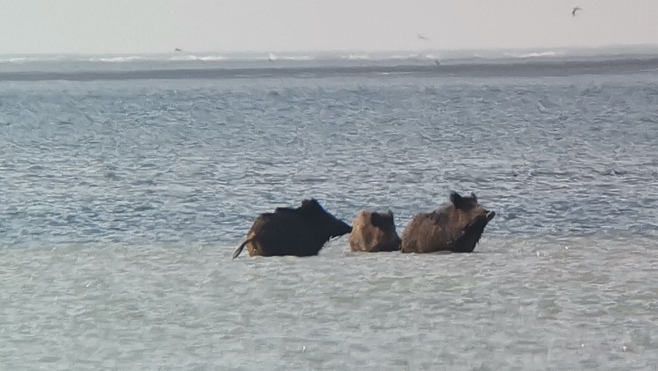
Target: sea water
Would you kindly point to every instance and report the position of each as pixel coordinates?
(126, 182)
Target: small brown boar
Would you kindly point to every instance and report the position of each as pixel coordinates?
(287, 231)
(374, 232)
(455, 227)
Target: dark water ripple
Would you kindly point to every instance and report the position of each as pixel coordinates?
(192, 160)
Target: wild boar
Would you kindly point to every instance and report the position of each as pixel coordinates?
(301, 231)
(374, 232)
(455, 227)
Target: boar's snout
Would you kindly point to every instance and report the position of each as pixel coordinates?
(340, 228)
(490, 215)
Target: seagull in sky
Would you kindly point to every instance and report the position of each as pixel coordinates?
(422, 37)
(573, 12)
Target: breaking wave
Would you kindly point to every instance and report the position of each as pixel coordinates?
(537, 54)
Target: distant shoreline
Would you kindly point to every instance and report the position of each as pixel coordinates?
(295, 69)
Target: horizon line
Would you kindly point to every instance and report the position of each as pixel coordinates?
(297, 51)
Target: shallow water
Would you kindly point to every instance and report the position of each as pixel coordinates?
(517, 305)
(122, 202)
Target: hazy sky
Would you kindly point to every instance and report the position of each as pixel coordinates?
(144, 26)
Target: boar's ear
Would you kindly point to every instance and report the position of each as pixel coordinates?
(460, 202)
(380, 220)
(307, 207)
(456, 199)
(389, 214)
(375, 219)
(310, 204)
(474, 197)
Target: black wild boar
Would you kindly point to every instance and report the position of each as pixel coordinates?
(374, 232)
(300, 232)
(455, 227)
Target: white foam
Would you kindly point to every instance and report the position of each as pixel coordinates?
(118, 59)
(535, 54)
(205, 58)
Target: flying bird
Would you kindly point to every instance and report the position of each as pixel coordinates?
(422, 37)
(573, 12)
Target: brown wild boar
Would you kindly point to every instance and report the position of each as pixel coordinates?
(300, 232)
(374, 232)
(455, 227)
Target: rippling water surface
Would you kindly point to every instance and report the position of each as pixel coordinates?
(121, 202)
